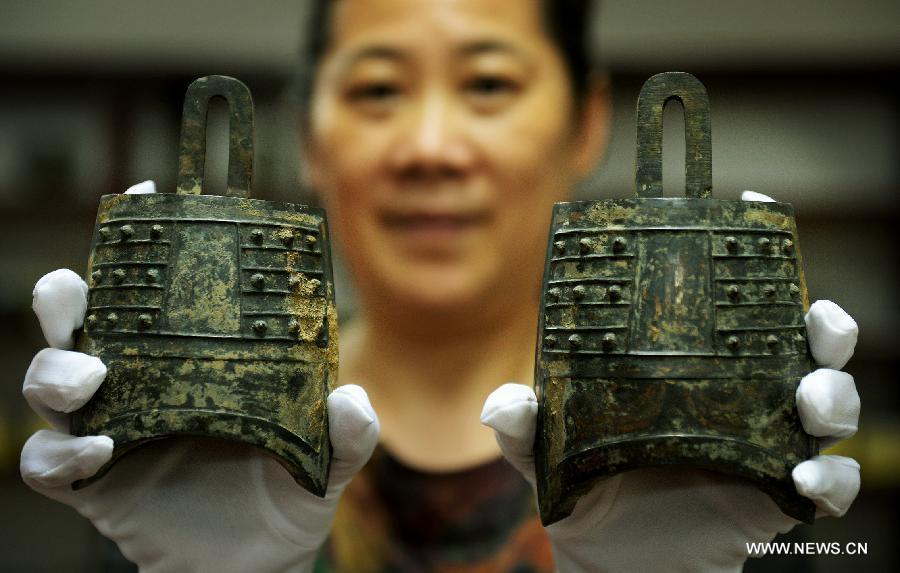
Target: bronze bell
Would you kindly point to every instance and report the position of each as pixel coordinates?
(214, 314)
(671, 329)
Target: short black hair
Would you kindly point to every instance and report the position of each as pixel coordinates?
(568, 22)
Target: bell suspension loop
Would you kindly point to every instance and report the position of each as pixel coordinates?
(655, 94)
(192, 148)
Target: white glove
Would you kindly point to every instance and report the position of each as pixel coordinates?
(180, 504)
(682, 519)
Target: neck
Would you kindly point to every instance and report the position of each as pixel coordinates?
(428, 387)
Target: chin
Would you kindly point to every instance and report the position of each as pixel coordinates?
(440, 290)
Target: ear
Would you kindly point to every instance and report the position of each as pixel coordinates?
(594, 124)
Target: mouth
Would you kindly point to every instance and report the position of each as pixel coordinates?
(435, 221)
(434, 230)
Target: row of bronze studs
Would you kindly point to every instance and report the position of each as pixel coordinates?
(145, 321)
(586, 246)
(554, 294)
(609, 341)
(734, 291)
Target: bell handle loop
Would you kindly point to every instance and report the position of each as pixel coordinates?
(192, 149)
(655, 94)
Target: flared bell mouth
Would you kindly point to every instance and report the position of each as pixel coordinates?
(747, 461)
(307, 463)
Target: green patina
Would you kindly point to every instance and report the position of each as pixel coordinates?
(671, 329)
(214, 315)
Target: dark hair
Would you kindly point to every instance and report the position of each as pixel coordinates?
(568, 24)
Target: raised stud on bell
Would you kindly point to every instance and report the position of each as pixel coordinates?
(294, 326)
(145, 321)
(294, 284)
(579, 292)
(258, 281)
(769, 291)
(765, 245)
(584, 246)
(734, 292)
(795, 290)
(310, 242)
(91, 320)
(559, 247)
(260, 327)
(112, 319)
(118, 276)
(619, 245)
(575, 341)
(614, 293)
(733, 343)
(731, 244)
(151, 276)
(550, 341)
(787, 247)
(257, 236)
(287, 239)
(105, 233)
(771, 341)
(97, 277)
(553, 294)
(610, 341)
(126, 231)
(156, 232)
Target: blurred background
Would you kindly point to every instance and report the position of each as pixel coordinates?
(804, 108)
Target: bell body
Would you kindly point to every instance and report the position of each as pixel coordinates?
(671, 332)
(215, 317)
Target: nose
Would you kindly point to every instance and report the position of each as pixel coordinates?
(432, 141)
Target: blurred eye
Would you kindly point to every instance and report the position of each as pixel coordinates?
(373, 92)
(374, 98)
(490, 92)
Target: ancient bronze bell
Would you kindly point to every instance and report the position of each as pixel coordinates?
(214, 314)
(671, 329)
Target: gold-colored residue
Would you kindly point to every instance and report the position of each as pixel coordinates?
(302, 302)
(767, 218)
(248, 208)
(331, 353)
(284, 233)
(611, 216)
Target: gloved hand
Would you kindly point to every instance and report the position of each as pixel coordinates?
(683, 519)
(180, 504)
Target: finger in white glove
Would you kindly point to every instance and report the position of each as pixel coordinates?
(54, 460)
(299, 515)
(353, 428)
(754, 196)
(511, 411)
(832, 482)
(61, 381)
(832, 334)
(59, 300)
(829, 405)
(142, 188)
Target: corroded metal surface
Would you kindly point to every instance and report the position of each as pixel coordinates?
(214, 315)
(671, 331)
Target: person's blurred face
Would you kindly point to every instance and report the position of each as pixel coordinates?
(441, 134)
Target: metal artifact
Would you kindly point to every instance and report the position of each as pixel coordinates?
(671, 329)
(214, 314)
